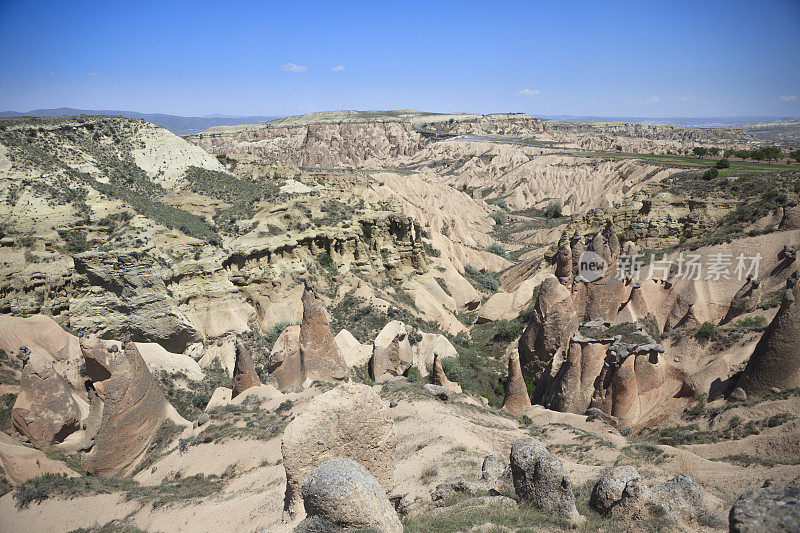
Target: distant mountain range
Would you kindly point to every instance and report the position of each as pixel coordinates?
(696, 122)
(176, 124)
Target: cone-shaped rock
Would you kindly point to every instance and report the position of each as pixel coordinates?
(133, 410)
(440, 378)
(318, 352)
(776, 359)
(284, 359)
(244, 371)
(516, 399)
(98, 362)
(564, 261)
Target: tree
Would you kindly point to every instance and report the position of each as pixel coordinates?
(727, 154)
(714, 151)
(795, 155)
(699, 151)
(771, 153)
(758, 155)
(723, 163)
(710, 174)
(742, 154)
(619, 148)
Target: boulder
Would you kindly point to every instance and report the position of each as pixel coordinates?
(774, 509)
(516, 397)
(284, 360)
(443, 393)
(354, 353)
(45, 410)
(318, 352)
(244, 371)
(681, 498)
(776, 358)
(347, 495)
(608, 490)
(391, 353)
(439, 377)
(133, 410)
(348, 421)
(539, 478)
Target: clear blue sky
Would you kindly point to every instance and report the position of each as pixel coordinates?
(658, 59)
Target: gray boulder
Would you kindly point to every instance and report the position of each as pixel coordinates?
(768, 509)
(681, 498)
(608, 490)
(343, 493)
(539, 478)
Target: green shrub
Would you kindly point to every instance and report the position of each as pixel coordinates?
(752, 322)
(710, 174)
(497, 249)
(723, 163)
(499, 217)
(507, 330)
(706, 332)
(325, 259)
(553, 209)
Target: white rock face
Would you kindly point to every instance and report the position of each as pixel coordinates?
(431, 344)
(355, 354)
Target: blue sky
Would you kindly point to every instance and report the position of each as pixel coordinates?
(657, 59)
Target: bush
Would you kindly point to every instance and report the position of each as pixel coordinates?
(752, 322)
(706, 331)
(325, 259)
(723, 163)
(507, 330)
(497, 249)
(499, 217)
(553, 209)
(710, 174)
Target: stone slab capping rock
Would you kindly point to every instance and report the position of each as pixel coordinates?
(343, 493)
(133, 410)
(539, 478)
(348, 421)
(319, 355)
(244, 371)
(774, 509)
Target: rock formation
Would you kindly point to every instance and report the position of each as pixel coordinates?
(20, 463)
(539, 478)
(554, 318)
(776, 358)
(349, 421)
(343, 493)
(745, 300)
(775, 509)
(608, 490)
(124, 293)
(516, 397)
(284, 362)
(391, 353)
(244, 371)
(319, 355)
(98, 362)
(133, 410)
(564, 270)
(45, 410)
(439, 377)
(354, 353)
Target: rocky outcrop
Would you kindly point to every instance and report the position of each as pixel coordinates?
(553, 320)
(45, 410)
(539, 478)
(98, 361)
(39, 333)
(115, 294)
(284, 362)
(319, 356)
(516, 398)
(133, 410)
(244, 371)
(349, 421)
(564, 267)
(776, 358)
(391, 353)
(428, 347)
(745, 300)
(343, 493)
(439, 377)
(774, 509)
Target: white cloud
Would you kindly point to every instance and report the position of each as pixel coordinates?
(291, 67)
(528, 92)
(788, 97)
(97, 75)
(51, 74)
(651, 100)
(338, 68)
(687, 98)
